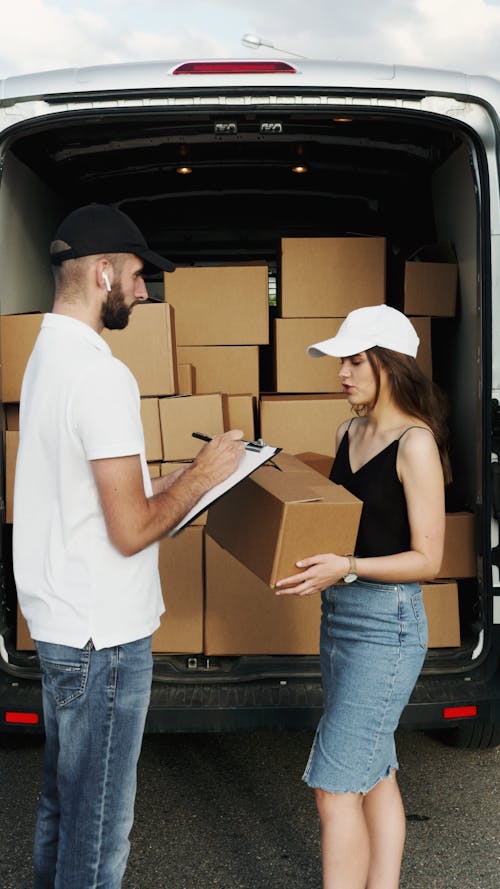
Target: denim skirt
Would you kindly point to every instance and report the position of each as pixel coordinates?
(373, 644)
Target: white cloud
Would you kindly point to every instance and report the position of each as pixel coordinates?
(37, 35)
(45, 34)
(459, 34)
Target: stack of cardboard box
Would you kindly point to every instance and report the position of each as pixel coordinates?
(322, 279)
(430, 291)
(255, 534)
(196, 360)
(221, 318)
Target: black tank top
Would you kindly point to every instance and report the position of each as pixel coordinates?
(383, 528)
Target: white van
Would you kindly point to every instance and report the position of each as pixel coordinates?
(410, 155)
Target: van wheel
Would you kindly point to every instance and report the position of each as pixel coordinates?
(476, 735)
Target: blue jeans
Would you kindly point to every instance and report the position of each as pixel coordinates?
(95, 705)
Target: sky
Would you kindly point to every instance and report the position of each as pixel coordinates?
(40, 35)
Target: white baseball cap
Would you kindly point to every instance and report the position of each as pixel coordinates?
(367, 327)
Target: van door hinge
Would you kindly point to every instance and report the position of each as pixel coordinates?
(226, 128)
(495, 470)
(495, 427)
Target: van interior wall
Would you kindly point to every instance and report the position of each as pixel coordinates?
(456, 340)
(29, 213)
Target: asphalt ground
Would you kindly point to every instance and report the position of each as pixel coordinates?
(230, 811)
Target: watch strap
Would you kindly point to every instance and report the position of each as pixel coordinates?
(353, 568)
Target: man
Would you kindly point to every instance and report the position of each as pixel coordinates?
(86, 524)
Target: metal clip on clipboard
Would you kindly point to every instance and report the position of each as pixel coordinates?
(257, 446)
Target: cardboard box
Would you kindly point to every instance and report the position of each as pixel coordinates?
(11, 417)
(441, 606)
(186, 379)
(24, 642)
(154, 470)
(289, 462)
(11, 446)
(320, 462)
(150, 416)
(273, 518)
(301, 423)
(231, 369)
(147, 347)
(424, 355)
(239, 413)
(181, 575)
(430, 289)
(328, 277)
(220, 305)
(18, 335)
(185, 414)
(244, 617)
(430, 282)
(295, 370)
(459, 557)
(166, 469)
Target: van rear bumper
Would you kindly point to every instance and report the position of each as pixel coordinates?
(266, 704)
(298, 705)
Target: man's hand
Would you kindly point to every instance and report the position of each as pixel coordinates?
(133, 520)
(220, 457)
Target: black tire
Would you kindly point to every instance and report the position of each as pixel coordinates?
(475, 735)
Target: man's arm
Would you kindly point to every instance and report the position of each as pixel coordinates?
(163, 482)
(133, 520)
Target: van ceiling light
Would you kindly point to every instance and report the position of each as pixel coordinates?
(300, 168)
(244, 67)
(342, 119)
(184, 170)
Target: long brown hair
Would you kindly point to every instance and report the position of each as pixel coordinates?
(414, 394)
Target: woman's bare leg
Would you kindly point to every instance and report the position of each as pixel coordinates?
(344, 840)
(386, 824)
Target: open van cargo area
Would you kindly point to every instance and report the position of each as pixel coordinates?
(226, 185)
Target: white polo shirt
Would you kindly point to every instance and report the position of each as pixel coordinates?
(78, 403)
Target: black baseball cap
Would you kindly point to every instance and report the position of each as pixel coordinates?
(99, 228)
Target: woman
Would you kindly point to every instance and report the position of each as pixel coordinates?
(392, 456)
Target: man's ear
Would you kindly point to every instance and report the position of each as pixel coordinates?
(104, 275)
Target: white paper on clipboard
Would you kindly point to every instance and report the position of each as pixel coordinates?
(250, 461)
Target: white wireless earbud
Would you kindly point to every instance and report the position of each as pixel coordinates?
(106, 281)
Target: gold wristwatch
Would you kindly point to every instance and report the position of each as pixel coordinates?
(352, 574)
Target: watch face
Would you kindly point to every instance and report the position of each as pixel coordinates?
(350, 578)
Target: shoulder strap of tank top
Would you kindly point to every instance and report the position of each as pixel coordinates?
(344, 441)
(414, 427)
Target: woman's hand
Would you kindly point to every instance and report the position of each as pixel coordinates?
(319, 572)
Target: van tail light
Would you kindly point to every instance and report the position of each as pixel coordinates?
(21, 717)
(459, 712)
(242, 67)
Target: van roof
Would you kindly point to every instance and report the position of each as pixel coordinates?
(306, 73)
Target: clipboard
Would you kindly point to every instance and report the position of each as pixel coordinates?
(255, 455)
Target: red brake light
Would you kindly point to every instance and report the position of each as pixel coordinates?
(459, 712)
(14, 717)
(249, 67)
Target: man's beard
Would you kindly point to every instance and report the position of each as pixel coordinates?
(115, 314)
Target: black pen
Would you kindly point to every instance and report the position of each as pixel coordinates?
(248, 447)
